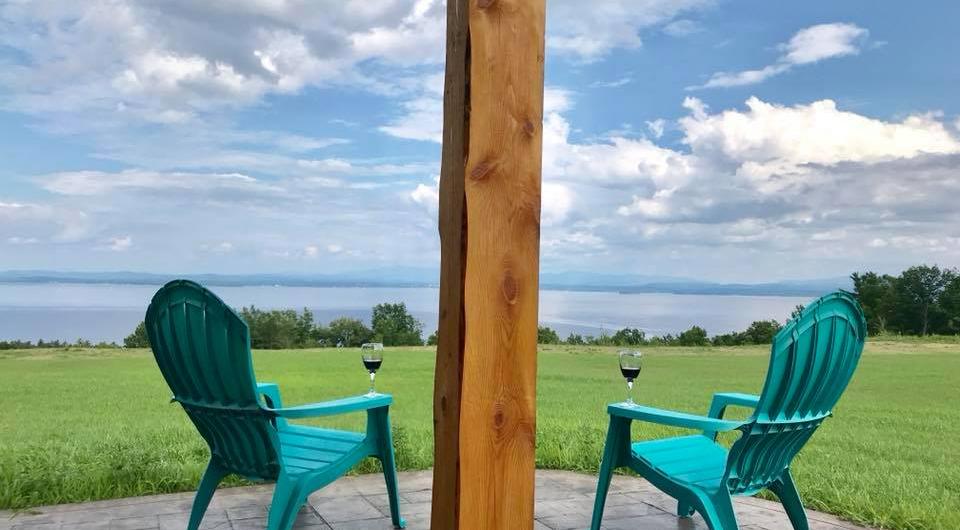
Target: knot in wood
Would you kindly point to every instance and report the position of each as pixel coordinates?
(509, 288)
(499, 418)
(484, 4)
(529, 128)
(481, 170)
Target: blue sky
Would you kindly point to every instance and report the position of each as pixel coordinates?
(718, 139)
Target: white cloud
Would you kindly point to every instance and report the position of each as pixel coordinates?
(86, 183)
(166, 62)
(589, 32)
(616, 83)
(823, 41)
(556, 200)
(657, 127)
(682, 28)
(119, 244)
(807, 46)
(423, 115)
(34, 222)
(769, 141)
(827, 187)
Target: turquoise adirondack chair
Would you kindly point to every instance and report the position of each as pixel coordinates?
(812, 360)
(203, 350)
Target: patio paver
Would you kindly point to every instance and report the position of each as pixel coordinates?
(564, 500)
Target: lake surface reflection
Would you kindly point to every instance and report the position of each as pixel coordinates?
(110, 312)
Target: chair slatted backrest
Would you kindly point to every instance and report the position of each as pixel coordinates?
(811, 362)
(203, 350)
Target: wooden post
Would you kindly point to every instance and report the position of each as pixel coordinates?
(485, 387)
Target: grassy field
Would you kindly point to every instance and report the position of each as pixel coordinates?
(95, 424)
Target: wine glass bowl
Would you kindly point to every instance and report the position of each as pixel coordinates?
(630, 366)
(371, 353)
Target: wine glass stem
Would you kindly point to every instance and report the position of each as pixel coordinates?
(630, 391)
(373, 376)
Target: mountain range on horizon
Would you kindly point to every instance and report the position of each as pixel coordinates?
(425, 277)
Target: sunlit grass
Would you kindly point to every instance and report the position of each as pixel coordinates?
(83, 425)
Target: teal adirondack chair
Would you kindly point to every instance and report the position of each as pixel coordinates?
(203, 350)
(812, 360)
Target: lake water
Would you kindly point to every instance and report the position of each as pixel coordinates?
(110, 312)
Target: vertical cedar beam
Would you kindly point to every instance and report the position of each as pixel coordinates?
(490, 238)
(453, 249)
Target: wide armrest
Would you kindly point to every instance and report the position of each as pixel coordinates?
(272, 391)
(337, 406)
(722, 400)
(669, 417)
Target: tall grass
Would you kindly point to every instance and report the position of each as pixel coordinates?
(84, 424)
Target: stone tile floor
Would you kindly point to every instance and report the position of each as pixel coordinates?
(564, 501)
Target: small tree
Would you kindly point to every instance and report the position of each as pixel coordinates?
(575, 339)
(950, 304)
(629, 337)
(348, 332)
(546, 335)
(137, 339)
(433, 340)
(762, 331)
(918, 291)
(797, 311)
(396, 326)
(876, 295)
(695, 336)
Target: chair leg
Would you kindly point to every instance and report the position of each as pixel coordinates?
(388, 461)
(684, 510)
(208, 484)
(288, 496)
(786, 490)
(618, 434)
(718, 511)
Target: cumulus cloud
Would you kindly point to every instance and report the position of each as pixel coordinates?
(587, 32)
(771, 143)
(167, 61)
(807, 46)
(812, 181)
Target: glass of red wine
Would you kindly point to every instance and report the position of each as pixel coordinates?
(630, 365)
(372, 355)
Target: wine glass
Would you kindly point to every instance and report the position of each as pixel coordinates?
(372, 355)
(630, 365)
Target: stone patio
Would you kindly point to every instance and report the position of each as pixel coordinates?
(564, 501)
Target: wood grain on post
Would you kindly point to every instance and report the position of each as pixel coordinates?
(485, 390)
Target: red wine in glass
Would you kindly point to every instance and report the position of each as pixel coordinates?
(630, 365)
(371, 354)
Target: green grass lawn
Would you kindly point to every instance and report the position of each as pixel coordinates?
(95, 424)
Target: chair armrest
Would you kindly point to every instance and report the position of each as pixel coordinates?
(669, 417)
(722, 400)
(272, 391)
(337, 406)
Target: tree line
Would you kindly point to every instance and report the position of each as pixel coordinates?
(54, 344)
(759, 332)
(275, 329)
(922, 300)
